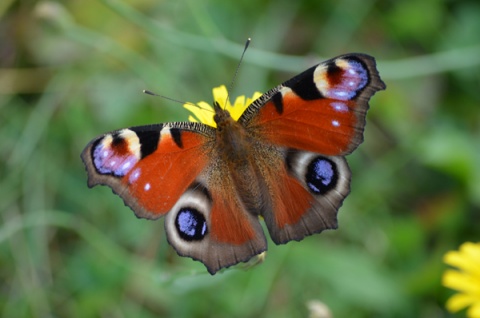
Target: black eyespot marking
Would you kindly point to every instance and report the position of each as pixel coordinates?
(277, 100)
(117, 140)
(191, 224)
(304, 85)
(177, 136)
(322, 175)
(148, 140)
(334, 73)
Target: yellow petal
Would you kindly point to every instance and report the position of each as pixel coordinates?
(466, 279)
(466, 259)
(203, 113)
(472, 252)
(192, 119)
(474, 311)
(239, 102)
(461, 281)
(255, 96)
(458, 302)
(220, 95)
(238, 107)
(467, 253)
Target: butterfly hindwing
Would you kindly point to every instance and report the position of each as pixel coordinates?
(308, 196)
(208, 223)
(301, 191)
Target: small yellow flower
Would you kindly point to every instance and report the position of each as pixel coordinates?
(466, 280)
(204, 112)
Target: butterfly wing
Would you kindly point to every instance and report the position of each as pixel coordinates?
(313, 119)
(210, 224)
(306, 190)
(322, 109)
(148, 166)
(172, 169)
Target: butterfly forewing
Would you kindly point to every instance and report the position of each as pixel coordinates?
(321, 110)
(149, 166)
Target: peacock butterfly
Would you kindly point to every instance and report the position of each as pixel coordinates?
(282, 160)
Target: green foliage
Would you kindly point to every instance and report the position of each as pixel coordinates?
(72, 70)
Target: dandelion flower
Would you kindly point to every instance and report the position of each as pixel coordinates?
(204, 112)
(465, 279)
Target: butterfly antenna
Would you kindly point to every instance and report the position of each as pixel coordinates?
(145, 91)
(230, 87)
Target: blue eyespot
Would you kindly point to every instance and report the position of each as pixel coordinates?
(322, 175)
(191, 224)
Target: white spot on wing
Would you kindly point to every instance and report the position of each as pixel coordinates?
(335, 123)
(340, 107)
(165, 131)
(134, 176)
(147, 186)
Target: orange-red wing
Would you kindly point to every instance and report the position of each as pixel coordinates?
(290, 201)
(306, 194)
(210, 223)
(150, 167)
(312, 125)
(230, 223)
(321, 110)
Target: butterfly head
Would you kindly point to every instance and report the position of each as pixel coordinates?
(222, 117)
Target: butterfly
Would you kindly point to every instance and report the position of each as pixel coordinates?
(283, 160)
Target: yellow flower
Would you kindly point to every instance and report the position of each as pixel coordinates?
(204, 112)
(466, 280)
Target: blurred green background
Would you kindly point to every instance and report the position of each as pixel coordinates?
(72, 70)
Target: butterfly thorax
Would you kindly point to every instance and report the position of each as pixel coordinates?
(232, 138)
